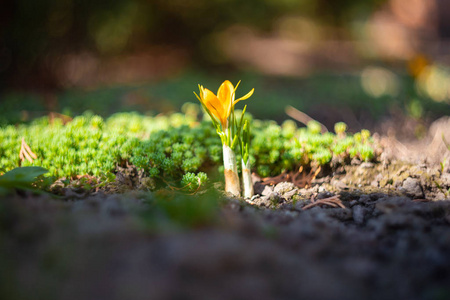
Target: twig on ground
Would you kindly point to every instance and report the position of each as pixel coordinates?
(333, 201)
(300, 179)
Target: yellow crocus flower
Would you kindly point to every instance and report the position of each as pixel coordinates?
(220, 105)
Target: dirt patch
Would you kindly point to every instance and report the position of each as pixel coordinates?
(378, 246)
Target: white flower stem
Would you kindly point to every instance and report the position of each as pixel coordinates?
(247, 182)
(231, 175)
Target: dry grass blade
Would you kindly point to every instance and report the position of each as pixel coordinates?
(302, 117)
(26, 153)
(283, 177)
(329, 203)
(333, 201)
(309, 178)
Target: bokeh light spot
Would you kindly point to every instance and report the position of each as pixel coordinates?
(377, 82)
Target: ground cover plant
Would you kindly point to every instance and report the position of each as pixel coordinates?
(176, 148)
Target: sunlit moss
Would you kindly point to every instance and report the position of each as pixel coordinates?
(169, 147)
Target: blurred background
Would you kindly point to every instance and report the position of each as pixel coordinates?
(369, 63)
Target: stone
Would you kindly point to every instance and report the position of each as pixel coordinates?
(412, 188)
(367, 165)
(267, 190)
(271, 199)
(290, 194)
(284, 187)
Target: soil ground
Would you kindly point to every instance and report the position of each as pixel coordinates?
(367, 231)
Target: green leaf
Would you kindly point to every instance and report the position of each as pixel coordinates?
(22, 178)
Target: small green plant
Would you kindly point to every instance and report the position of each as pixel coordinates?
(23, 178)
(247, 182)
(192, 182)
(340, 128)
(314, 127)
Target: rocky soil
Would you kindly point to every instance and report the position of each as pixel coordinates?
(366, 231)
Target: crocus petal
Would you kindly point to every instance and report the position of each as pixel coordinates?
(214, 105)
(211, 100)
(226, 97)
(248, 95)
(225, 92)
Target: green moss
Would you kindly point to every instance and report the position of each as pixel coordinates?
(192, 182)
(169, 147)
(340, 128)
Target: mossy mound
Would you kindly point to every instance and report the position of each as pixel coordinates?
(171, 148)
